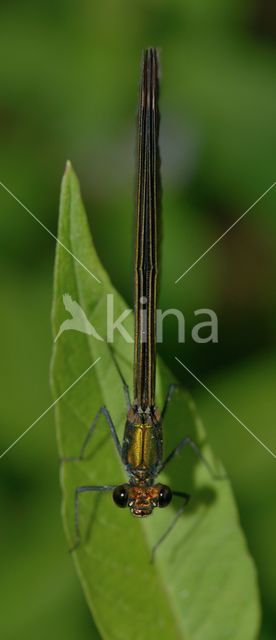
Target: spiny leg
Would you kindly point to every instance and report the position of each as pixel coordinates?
(124, 383)
(170, 392)
(186, 497)
(88, 436)
(188, 441)
(79, 490)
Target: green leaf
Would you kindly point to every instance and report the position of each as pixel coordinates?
(203, 583)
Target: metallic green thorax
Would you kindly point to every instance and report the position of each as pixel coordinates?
(142, 446)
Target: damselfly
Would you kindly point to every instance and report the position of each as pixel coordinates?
(142, 449)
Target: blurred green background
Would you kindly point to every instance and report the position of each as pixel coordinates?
(69, 77)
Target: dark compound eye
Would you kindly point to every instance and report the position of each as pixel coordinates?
(165, 496)
(120, 496)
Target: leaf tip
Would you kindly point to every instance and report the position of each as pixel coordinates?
(68, 166)
(69, 179)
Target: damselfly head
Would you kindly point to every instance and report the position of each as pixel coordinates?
(142, 499)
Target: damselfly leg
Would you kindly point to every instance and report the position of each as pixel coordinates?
(78, 491)
(186, 497)
(187, 441)
(104, 411)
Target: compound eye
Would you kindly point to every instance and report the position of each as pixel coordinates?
(165, 496)
(120, 496)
